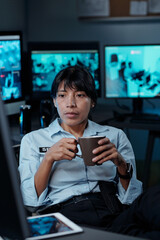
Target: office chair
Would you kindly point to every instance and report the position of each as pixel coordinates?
(16, 149)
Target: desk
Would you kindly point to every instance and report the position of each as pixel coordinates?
(154, 132)
(92, 234)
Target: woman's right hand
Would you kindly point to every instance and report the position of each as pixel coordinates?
(66, 148)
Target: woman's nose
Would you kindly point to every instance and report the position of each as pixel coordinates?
(71, 102)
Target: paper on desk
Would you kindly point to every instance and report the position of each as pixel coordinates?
(138, 7)
(154, 6)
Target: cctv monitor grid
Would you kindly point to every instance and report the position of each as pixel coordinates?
(10, 67)
(131, 71)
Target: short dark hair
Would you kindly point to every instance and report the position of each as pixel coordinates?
(75, 77)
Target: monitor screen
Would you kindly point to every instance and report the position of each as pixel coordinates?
(132, 71)
(10, 66)
(48, 59)
(11, 83)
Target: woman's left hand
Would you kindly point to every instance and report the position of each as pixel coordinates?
(107, 151)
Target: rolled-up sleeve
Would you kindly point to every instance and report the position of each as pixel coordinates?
(133, 191)
(135, 186)
(29, 163)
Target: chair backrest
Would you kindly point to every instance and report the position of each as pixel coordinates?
(16, 149)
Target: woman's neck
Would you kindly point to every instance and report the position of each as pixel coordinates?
(77, 130)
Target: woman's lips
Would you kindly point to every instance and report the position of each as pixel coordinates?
(71, 114)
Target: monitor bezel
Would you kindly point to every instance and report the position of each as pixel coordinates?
(59, 46)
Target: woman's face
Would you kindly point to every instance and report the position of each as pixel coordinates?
(73, 106)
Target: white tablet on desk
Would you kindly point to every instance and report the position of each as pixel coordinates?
(51, 225)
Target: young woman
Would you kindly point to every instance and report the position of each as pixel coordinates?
(53, 178)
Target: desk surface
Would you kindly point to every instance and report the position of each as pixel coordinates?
(101, 115)
(107, 116)
(127, 123)
(92, 234)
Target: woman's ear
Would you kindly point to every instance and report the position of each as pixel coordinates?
(92, 104)
(54, 101)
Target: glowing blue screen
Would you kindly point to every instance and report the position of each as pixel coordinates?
(10, 67)
(46, 65)
(132, 71)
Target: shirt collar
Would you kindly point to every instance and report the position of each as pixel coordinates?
(55, 127)
(92, 128)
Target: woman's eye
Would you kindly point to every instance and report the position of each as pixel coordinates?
(61, 95)
(81, 95)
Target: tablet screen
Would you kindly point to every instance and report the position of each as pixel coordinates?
(50, 225)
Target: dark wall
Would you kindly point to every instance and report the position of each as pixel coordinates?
(13, 16)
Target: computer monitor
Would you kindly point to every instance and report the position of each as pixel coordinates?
(47, 59)
(13, 221)
(11, 84)
(133, 72)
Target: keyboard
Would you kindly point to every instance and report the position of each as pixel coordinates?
(146, 118)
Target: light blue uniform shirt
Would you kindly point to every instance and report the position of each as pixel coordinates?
(71, 178)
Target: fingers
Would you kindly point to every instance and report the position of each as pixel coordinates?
(106, 151)
(66, 148)
(69, 147)
(105, 144)
(103, 141)
(110, 155)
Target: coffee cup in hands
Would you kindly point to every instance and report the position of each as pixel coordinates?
(87, 145)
